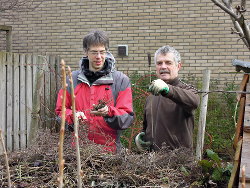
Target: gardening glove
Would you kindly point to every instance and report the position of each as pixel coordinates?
(80, 116)
(158, 86)
(140, 143)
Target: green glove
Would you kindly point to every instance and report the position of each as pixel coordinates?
(158, 86)
(140, 143)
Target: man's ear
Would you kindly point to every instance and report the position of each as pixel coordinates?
(85, 52)
(179, 65)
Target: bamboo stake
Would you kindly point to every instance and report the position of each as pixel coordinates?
(76, 125)
(62, 130)
(6, 159)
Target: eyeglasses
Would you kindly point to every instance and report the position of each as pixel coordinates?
(95, 53)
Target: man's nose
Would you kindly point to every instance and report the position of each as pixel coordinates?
(98, 55)
(164, 65)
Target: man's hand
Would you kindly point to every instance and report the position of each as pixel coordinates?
(101, 112)
(157, 86)
(80, 116)
(140, 143)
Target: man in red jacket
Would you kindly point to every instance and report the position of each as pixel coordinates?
(97, 81)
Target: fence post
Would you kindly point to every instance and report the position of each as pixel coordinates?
(203, 113)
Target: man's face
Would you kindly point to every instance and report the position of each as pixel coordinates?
(166, 68)
(96, 56)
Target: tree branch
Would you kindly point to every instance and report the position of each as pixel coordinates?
(9, 8)
(237, 18)
(227, 10)
(243, 4)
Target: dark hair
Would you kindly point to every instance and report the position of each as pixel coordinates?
(95, 38)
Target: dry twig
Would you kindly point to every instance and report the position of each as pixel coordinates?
(6, 159)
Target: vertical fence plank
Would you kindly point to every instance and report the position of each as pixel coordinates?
(34, 71)
(47, 92)
(23, 123)
(29, 90)
(16, 103)
(36, 99)
(42, 59)
(9, 88)
(3, 95)
(57, 85)
(35, 68)
(53, 91)
(58, 74)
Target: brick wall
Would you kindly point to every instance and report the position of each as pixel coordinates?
(198, 29)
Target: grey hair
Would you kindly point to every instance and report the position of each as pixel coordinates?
(95, 38)
(168, 49)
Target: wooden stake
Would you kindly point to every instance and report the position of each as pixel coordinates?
(62, 130)
(203, 114)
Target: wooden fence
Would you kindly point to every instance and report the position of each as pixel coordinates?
(28, 85)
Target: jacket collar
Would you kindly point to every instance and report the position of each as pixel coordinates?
(103, 76)
(174, 82)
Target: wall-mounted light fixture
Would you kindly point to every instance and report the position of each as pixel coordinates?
(122, 50)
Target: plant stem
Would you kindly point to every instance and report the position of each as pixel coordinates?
(76, 125)
(6, 159)
(62, 130)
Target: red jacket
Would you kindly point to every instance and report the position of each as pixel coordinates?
(111, 86)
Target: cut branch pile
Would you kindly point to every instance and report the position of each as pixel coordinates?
(37, 166)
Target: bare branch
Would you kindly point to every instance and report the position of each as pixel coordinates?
(9, 8)
(243, 4)
(246, 30)
(238, 19)
(227, 10)
(227, 3)
(14, 5)
(76, 127)
(241, 33)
